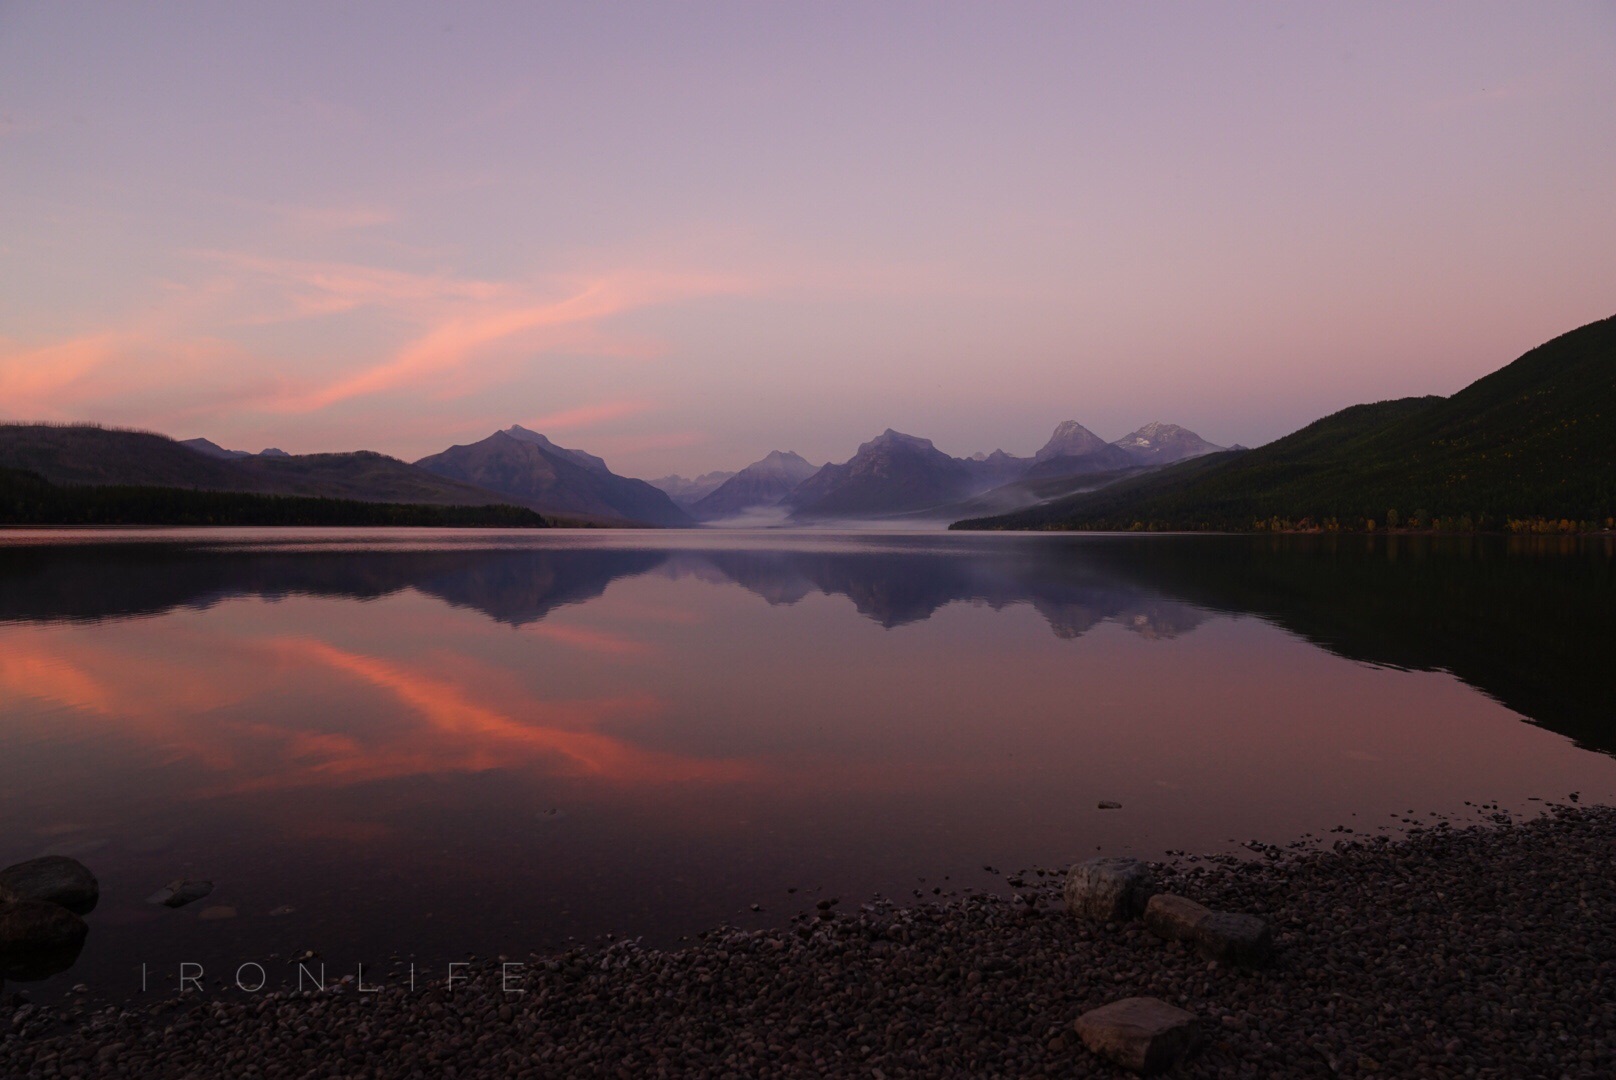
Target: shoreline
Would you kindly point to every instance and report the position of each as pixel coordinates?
(1488, 948)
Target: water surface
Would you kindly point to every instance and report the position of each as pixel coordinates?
(427, 744)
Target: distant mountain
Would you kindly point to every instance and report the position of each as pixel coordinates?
(762, 483)
(213, 449)
(1162, 444)
(685, 492)
(89, 455)
(588, 461)
(1073, 449)
(1534, 439)
(992, 470)
(536, 473)
(891, 474)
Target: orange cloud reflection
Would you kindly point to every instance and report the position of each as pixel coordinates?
(442, 714)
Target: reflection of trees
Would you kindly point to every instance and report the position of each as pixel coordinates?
(1526, 620)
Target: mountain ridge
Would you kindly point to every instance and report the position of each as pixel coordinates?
(763, 483)
(543, 477)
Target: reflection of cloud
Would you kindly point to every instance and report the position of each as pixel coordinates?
(457, 716)
(41, 674)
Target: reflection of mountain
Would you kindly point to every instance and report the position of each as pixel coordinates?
(1527, 621)
(896, 588)
(515, 586)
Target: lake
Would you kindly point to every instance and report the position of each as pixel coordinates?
(428, 744)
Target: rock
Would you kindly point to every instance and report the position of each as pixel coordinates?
(1174, 918)
(211, 914)
(38, 926)
(180, 892)
(1107, 804)
(53, 879)
(1228, 938)
(1109, 889)
(1143, 1034)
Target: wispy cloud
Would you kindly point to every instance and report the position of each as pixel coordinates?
(634, 444)
(434, 335)
(589, 415)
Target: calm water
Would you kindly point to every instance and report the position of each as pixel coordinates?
(429, 744)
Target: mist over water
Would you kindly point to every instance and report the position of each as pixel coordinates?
(429, 744)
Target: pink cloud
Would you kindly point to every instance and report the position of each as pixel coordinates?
(199, 349)
(34, 380)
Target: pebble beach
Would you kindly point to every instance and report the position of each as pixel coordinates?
(1483, 951)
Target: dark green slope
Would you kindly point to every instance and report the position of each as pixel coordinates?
(1534, 439)
(28, 499)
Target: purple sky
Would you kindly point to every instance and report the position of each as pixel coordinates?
(683, 235)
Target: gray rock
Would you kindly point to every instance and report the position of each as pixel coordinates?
(53, 879)
(1228, 938)
(1107, 804)
(1142, 1034)
(35, 925)
(180, 892)
(1109, 889)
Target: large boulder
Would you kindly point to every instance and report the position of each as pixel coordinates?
(53, 879)
(1228, 938)
(1109, 889)
(1143, 1034)
(28, 926)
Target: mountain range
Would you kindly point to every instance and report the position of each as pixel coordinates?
(1534, 440)
(892, 475)
(686, 492)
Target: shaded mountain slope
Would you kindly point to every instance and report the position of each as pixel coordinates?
(1535, 438)
(552, 482)
(88, 455)
(27, 499)
(763, 483)
(891, 474)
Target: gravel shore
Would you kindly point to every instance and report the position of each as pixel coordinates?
(1483, 951)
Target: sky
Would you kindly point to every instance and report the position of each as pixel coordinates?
(683, 235)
